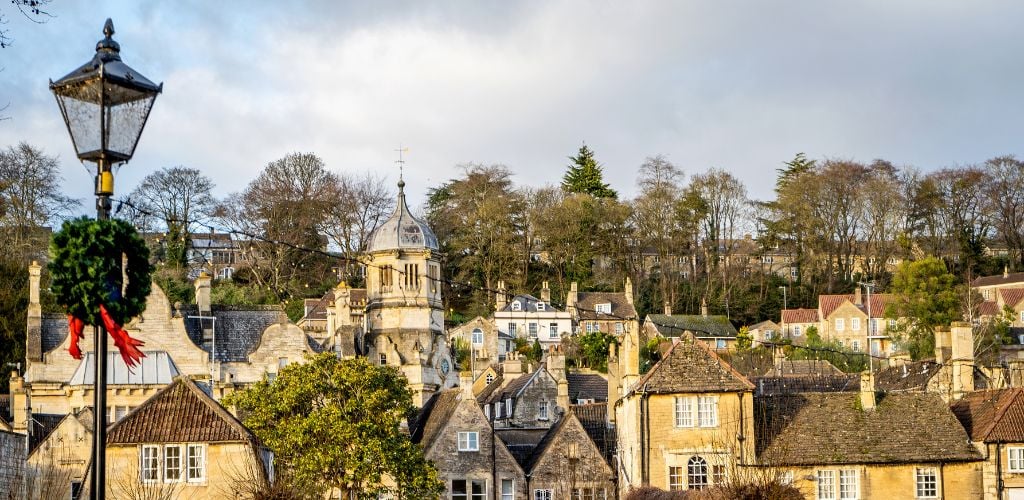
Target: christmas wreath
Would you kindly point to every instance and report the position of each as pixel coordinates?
(100, 274)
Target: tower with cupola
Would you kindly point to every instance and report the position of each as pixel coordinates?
(404, 313)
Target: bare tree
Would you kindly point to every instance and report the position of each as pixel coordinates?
(173, 199)
(1005, 192)
(363, 203)
(655, 217)
(30, 195)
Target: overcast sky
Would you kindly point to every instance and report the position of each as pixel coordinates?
(742, 86)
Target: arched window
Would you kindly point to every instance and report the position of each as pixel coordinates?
(478, 336)
(697, 473)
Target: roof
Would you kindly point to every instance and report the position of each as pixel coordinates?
(907, 376)
(799, 315)
(237, 330)
(436, 412)
(691, 366)
(832, 428)
(803, 368)
(594, 418)
(586, 305)
(988, 308)
(829, 303)
(401, 230)
(5, 408)
(1012, 296)
(521, 442)
(180, 413)
(316, 309)
(512, 389)
(766, 324)
(42, 425)
(587, 386)
(157, 368)
(999, 279)
(528, 303)
(699, 325)
(993, 415)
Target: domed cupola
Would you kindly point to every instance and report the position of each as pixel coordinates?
(401, 230)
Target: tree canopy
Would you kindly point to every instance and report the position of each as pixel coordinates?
(585, 176)
(335, 424)
(927, 296)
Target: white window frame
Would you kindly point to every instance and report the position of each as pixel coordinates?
(855, 345)
(926, 482)
(498, 409)
(1015, 458)
(553, 331)
(1022, 316)
(469, 441)
(796, 330)
(195, 450)
(605, 308)
(849, 484)
(826, 487)
(545, 494)
(542, 410)
(541, 307)
(511, 494)
(676, 477)
(840, 324)
(154, 464)
(181, 463)
(512, 329)
(517, 306)
(476, 337)
(532, 329)
(707, 411)
(685, 411)
(855, 324)
(619, 327)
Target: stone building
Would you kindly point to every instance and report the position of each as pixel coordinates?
(525, 316)
(715, 330)
(13, 453)
(608, 312)
(404, 313)
(567, 463)
(535, 400)
(59, 456)
(487, 344)
(994, 420)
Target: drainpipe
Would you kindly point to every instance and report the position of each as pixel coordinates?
(494, 463)
(741, 437)
(645, 438)
(942, 480)
(999, 470)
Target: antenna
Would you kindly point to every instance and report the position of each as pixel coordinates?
(400, 161)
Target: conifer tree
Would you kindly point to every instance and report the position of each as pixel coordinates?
(585, 176)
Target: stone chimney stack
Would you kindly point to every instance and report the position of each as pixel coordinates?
(668, 308)
(466, 384)
(34, 330)
(573, 296)
(545, 293)
(943, 345)
(512, 367)
(500, 299)
(704, 306)
(867, 391)
(962, 354)
(629, 290)
(202, 285)
(555, 364)
(857, 299)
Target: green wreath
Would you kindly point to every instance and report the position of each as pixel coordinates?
(86, 269)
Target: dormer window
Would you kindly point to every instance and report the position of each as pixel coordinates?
(540, 306)
(605, 308)
(517, 306)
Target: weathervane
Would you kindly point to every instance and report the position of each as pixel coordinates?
(401, 162)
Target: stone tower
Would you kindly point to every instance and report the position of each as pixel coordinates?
(404, 313)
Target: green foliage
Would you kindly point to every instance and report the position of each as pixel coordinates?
(650, 354)
(744, 340)
(813, 337)
(927, 296)
(593, 350)
(536, 352)
(13, 302)
(86, 269)
(462, 352)
(335, 423)
(845, 359)
(585, 176)
(229, 293)
(175, 284)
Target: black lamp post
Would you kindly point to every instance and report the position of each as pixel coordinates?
(105, 104)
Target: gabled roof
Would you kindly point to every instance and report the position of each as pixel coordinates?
(832, 428)
(436, 412)
(993, 416)
(594, 418)
(180, 413)
(1012, 296)
(521, 442)
(699, 325)
(799, 315)
(829, 303)
(515, 387)
(691, 366)
(907, 376)
(586, 305)
(998, 279)
(769, 324)
(528, 303)
(587, 386)
(45, 423)
(237, 329)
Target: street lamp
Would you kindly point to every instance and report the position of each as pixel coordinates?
(105, 105)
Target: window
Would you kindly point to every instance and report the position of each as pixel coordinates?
(553, 330)
(281, 363)
(675, 478)
(697, 473)
(591, 327)
(412, 276)
(463, 489)
(786, 477)
(840, 324)
(796, 331)
(468, 441)
(533, 330)
(720, 344)
(855, 345)
(605, 308)
(478, 336)
(542, 410)
(619, 327)
(517, 306)
(384, 274)
(543, 494)
(892, 323)
(150, 467)
(826, 485)
(707, 411)
(926, 483)
(767, 259)
(855, 324)
(498, 407)
(873, 326)
(512, 329)
(849, 487)
(196, 463)
(172, 463)
(383, 359)
(718, 474)
(540, 306)
(1022, 316)
(508, 489)
(1015, 458)
(588, 494)
(684, 412)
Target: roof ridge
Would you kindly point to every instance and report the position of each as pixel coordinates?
(221, 412)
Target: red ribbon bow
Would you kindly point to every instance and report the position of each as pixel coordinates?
(127, 346)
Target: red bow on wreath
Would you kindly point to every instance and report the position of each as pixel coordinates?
(125, 344)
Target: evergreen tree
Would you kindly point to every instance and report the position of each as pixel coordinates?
(585, 176)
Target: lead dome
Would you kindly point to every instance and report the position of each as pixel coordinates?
(402, 230)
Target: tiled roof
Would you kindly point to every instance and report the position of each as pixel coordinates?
(528, 304)
(587, 386)
(988, 308)
(594, 418)
(1012, 296)
(907, 377)
(998, 280)
(586, 304)
(831, 428)
(436, 412)
(799, 315)
(766, 324)
(993, 416)
(237, 329)
(180, 413)
(829, 303)
(701, 326)
(690, 366)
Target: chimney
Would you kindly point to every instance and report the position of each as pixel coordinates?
(202, 286)
(466, 384)
(545, 293)
(962, 353)
(704, 306)
(570, 301)
(555, 362)
(34, 329)
(857, 300)
(512, 367)
(629, 290)
(943, 344)
(668, 308)
(867, 391)
(499, 297)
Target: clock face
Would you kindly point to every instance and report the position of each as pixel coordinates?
(445, 366)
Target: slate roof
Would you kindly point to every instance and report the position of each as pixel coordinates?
(691, 366)
(594, 418)
(586, 303)
(789, 385)
(907, 376)
(803, 368)
(54, 328)
(513, 388)
(528, 304)
(993, 416)
(829, 303)
(998, 280)
(5, 408)
(435, 413)
(488, 390)
(699, 325)
(799, 315)
(1012, 296)
(238, 329)
(587, 386)
(521, 442)
(180, 413)
(157, 368)
(832, 429)
(42, 425)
